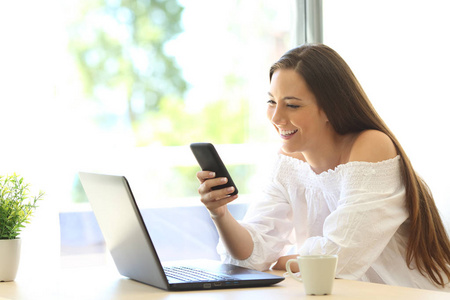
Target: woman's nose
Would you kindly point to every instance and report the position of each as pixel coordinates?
(277, 117)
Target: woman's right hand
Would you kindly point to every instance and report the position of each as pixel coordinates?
(215, 200)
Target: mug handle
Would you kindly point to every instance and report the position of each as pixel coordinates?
(288, 268)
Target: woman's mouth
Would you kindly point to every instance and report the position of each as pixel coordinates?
(286, 134)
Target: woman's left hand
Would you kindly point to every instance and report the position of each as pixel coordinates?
(281, 264)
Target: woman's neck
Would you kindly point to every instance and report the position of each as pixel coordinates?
(331, 152)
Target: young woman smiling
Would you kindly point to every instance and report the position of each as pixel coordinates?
(342, 184)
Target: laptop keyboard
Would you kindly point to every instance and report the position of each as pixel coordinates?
(192, 274)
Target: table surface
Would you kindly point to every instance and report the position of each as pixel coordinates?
(104, 282)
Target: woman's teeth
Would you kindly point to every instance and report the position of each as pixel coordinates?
(288, 132)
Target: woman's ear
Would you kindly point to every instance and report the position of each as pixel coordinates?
(324, 116)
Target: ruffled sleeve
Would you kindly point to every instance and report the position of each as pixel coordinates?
(370, 209)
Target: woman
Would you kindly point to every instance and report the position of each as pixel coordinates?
(342, 184)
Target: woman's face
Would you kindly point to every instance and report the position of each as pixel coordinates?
(293, 110)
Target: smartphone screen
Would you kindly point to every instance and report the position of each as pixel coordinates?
(209, 160)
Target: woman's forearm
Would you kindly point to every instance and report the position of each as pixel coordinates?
(236, 238)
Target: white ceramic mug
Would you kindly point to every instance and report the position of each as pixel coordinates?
(317, 273)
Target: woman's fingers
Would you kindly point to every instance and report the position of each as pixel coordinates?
(208, 185)
(205, 175)
(212, 205)
(215, 195)
(214, 200)
(208, 182)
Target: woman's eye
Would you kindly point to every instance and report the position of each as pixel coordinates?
(271, 102)
(293, 106)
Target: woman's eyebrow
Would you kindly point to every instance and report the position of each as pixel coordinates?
(287, 97)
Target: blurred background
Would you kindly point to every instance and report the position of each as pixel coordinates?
(123, 87)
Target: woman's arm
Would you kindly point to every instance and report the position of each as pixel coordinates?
(281, 264)
(236, 238)
(265, 234)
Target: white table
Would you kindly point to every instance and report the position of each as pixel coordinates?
(104, 282)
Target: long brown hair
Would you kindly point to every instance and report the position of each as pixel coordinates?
(349, 110)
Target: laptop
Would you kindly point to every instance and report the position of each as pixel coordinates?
(134, 254)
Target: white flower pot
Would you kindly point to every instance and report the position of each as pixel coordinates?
(9, 259)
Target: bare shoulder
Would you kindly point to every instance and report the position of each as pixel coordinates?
(372, 146)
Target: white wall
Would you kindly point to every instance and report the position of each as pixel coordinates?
(399, 50)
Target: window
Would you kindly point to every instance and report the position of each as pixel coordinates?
(221, 59)
(68, 67)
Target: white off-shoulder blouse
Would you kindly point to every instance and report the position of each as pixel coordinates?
(356, 211)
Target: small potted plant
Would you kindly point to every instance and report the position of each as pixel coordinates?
(16, 208)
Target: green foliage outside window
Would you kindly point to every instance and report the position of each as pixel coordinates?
(220, 122)
(119, 46)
